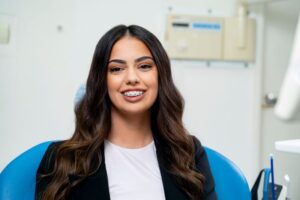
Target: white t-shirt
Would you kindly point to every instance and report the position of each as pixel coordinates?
(133, 174)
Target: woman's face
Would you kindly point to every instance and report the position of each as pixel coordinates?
(132, 77)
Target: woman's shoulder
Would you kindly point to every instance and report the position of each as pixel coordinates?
(199, 149)
(202, 165)
(54, 146)
(196, 140)
(45, 168)
(200, 156)
(47, 162)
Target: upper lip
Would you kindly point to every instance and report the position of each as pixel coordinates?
(133, 89)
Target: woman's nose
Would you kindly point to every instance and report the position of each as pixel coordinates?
(132, 77)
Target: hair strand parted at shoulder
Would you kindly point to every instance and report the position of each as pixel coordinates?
(81, 155)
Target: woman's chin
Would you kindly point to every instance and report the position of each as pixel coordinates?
(133, 111)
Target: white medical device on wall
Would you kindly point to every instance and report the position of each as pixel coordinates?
(288, 105)
(211, 38)
(289, 97)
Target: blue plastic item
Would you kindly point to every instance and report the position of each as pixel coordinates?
(229, 180)
(79, 93)
(267, 172)
(17, 180)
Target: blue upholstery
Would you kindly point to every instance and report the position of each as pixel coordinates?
(17, 180)
(79, 93)
(229, 179)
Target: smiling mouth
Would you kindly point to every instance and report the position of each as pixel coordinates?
(133, 93)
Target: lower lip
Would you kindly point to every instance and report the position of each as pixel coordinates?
(134, 98)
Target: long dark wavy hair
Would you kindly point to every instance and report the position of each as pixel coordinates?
(81, 155)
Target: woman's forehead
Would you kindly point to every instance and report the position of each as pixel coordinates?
(129, 47)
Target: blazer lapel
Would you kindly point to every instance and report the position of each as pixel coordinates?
(171, 189)
(94, 187)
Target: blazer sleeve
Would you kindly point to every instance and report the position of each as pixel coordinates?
(45, 167)
(203, 167)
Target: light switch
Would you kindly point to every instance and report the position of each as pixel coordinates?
(4, 33)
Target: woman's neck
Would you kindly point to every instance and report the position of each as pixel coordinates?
(130, 131)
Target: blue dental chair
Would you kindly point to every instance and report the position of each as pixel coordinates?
(17, 180)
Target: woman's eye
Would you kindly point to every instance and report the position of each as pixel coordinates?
(145, 67)
(115, 69)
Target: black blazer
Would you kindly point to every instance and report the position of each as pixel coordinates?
(95, 187)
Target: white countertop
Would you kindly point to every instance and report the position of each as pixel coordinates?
(291, 146)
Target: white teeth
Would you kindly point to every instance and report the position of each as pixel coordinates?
(133, 93)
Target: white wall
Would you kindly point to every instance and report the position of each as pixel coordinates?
(39, 81)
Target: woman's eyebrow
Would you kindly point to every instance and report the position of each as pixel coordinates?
(136, 60)
(117, 61)
(143, 58)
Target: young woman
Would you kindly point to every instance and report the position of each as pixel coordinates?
(129, 142)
